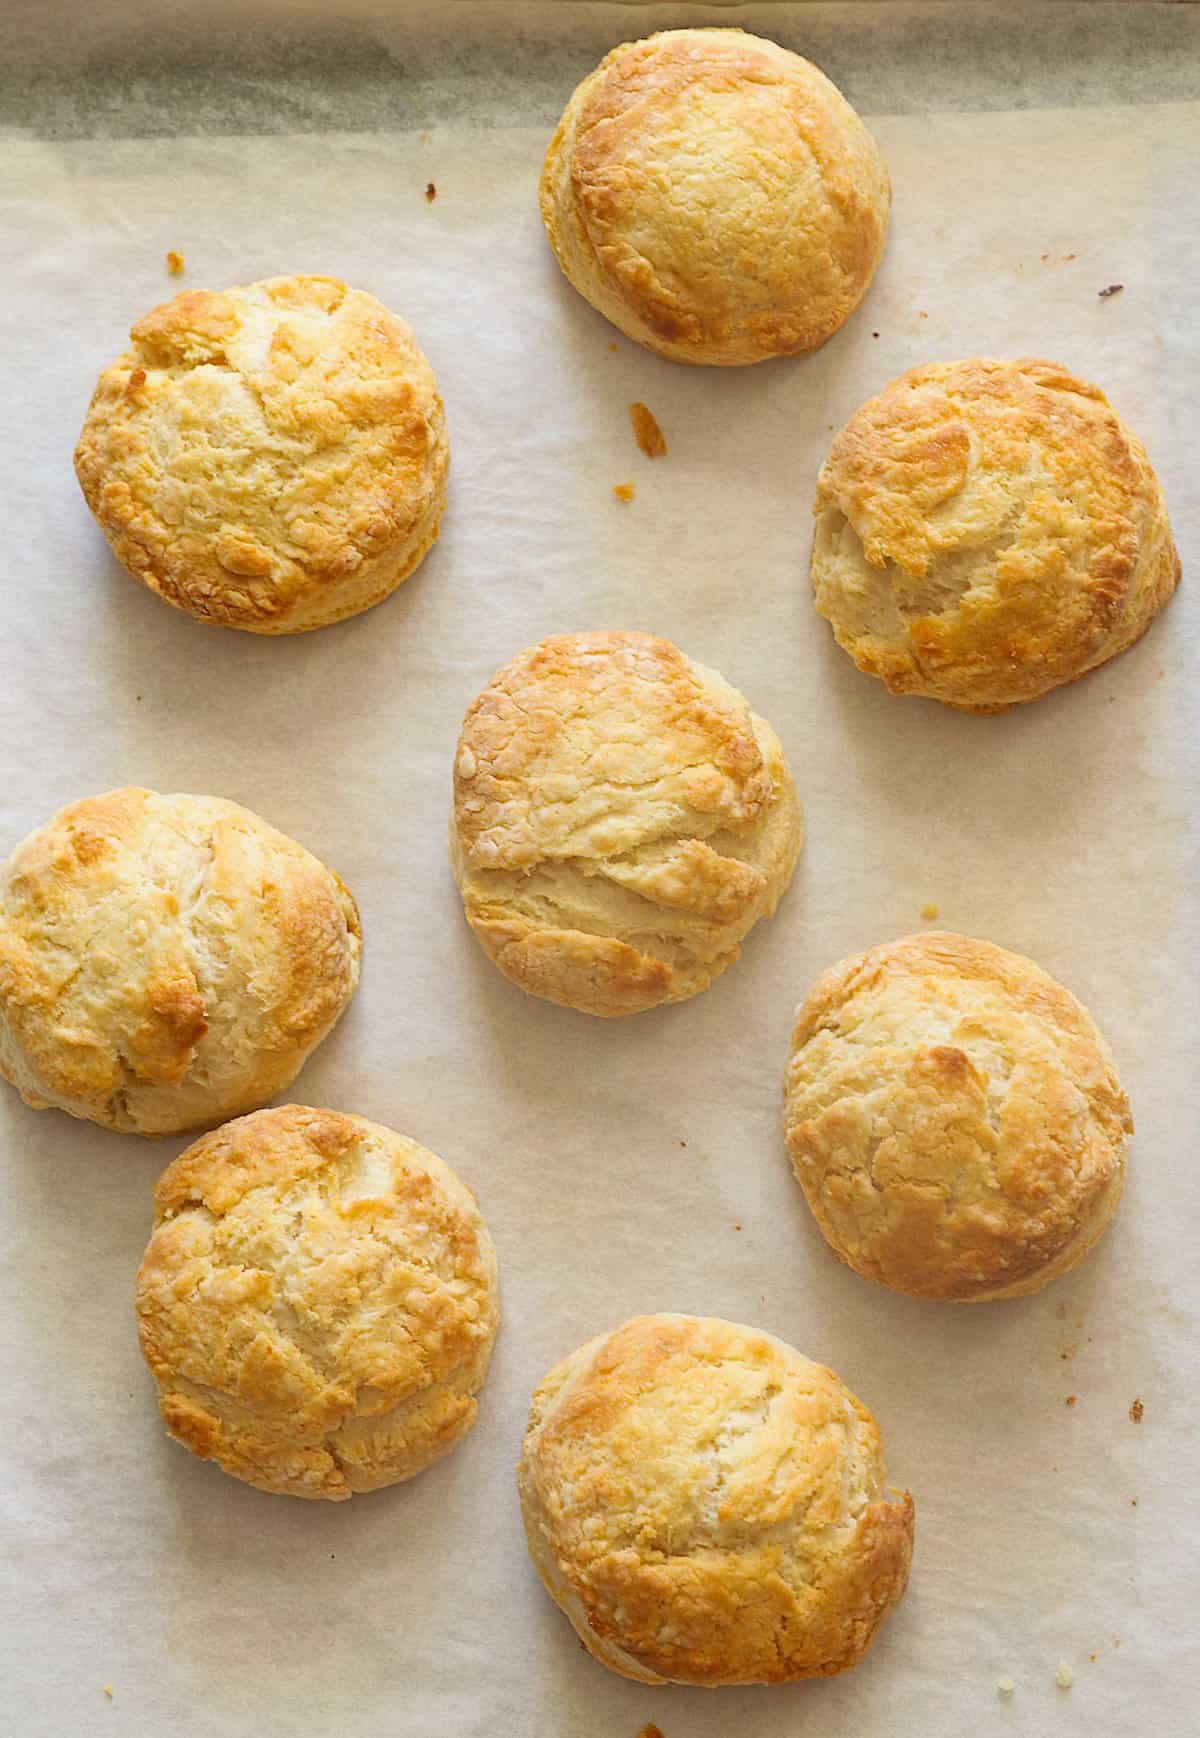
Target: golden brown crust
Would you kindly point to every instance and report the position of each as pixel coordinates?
(621, 821)
(715, 197)
(708, 1507)
(167, 961)
(317, 1303)
(271, 457)
(987, 531)
(954, 1118)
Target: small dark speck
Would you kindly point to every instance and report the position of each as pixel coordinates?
(1110, 290)
(430, 191)
(1133, 1502)
(683, 1143)
(737, 1228)
(139, 696)
(1070, 1400)
(874, 334)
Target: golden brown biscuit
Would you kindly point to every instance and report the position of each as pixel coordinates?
(708, 1507)
(167, 961)
(715, 197)
(271, 457)
(987, 531)
(621, 822)
(317, 1302)
(954, 1118)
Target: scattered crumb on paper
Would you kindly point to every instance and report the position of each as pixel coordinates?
(1110, 290)
(175, 263)
(1136, 1412)
(647, 432)
(929, 912)
(1005, 1686)
(623, 491)
(431, 191)
(1070, 1400)
(1064, 1677)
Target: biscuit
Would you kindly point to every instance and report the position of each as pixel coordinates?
(708, 1507)
(271, 457)
(986, 531)
(954, 1119)
(167, 961)
(621, 822)
(317, 1303)
(715, 197)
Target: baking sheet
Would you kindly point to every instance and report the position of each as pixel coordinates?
(637, 1165)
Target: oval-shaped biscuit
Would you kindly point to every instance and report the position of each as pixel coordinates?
(317, 1302)
(621, 822)
(167, 961)
(715, 197)
(271, 457)
(954, 1119)
(708, 1507)
(986, 531)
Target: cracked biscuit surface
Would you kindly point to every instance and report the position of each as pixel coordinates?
(272, 457)
(621, 821)
(167, 961)
(317, 1302)
(954, 1118)
(987, 531)
(708, 1507)
(715, 197)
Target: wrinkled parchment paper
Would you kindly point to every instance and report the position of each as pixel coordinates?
(622, 1166)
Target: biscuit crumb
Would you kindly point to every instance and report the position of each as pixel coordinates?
(430, 191)
(1045, 256)
(737, 1228)
(1133, 1502)
(175, 263)
(650, 1732)
(1005, 1686)
(1064, 1677)
(623, 491)
(613, 345)
(929, 912)
(1136, 1412)
(1092, 1656)
(924, 315)
(1070, 1400)
(108, 1691)
(1070, 256)
(1110, 290)
(136, 380)
(647, 432)
(683, 1143)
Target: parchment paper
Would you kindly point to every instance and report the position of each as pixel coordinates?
(633, 1165)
